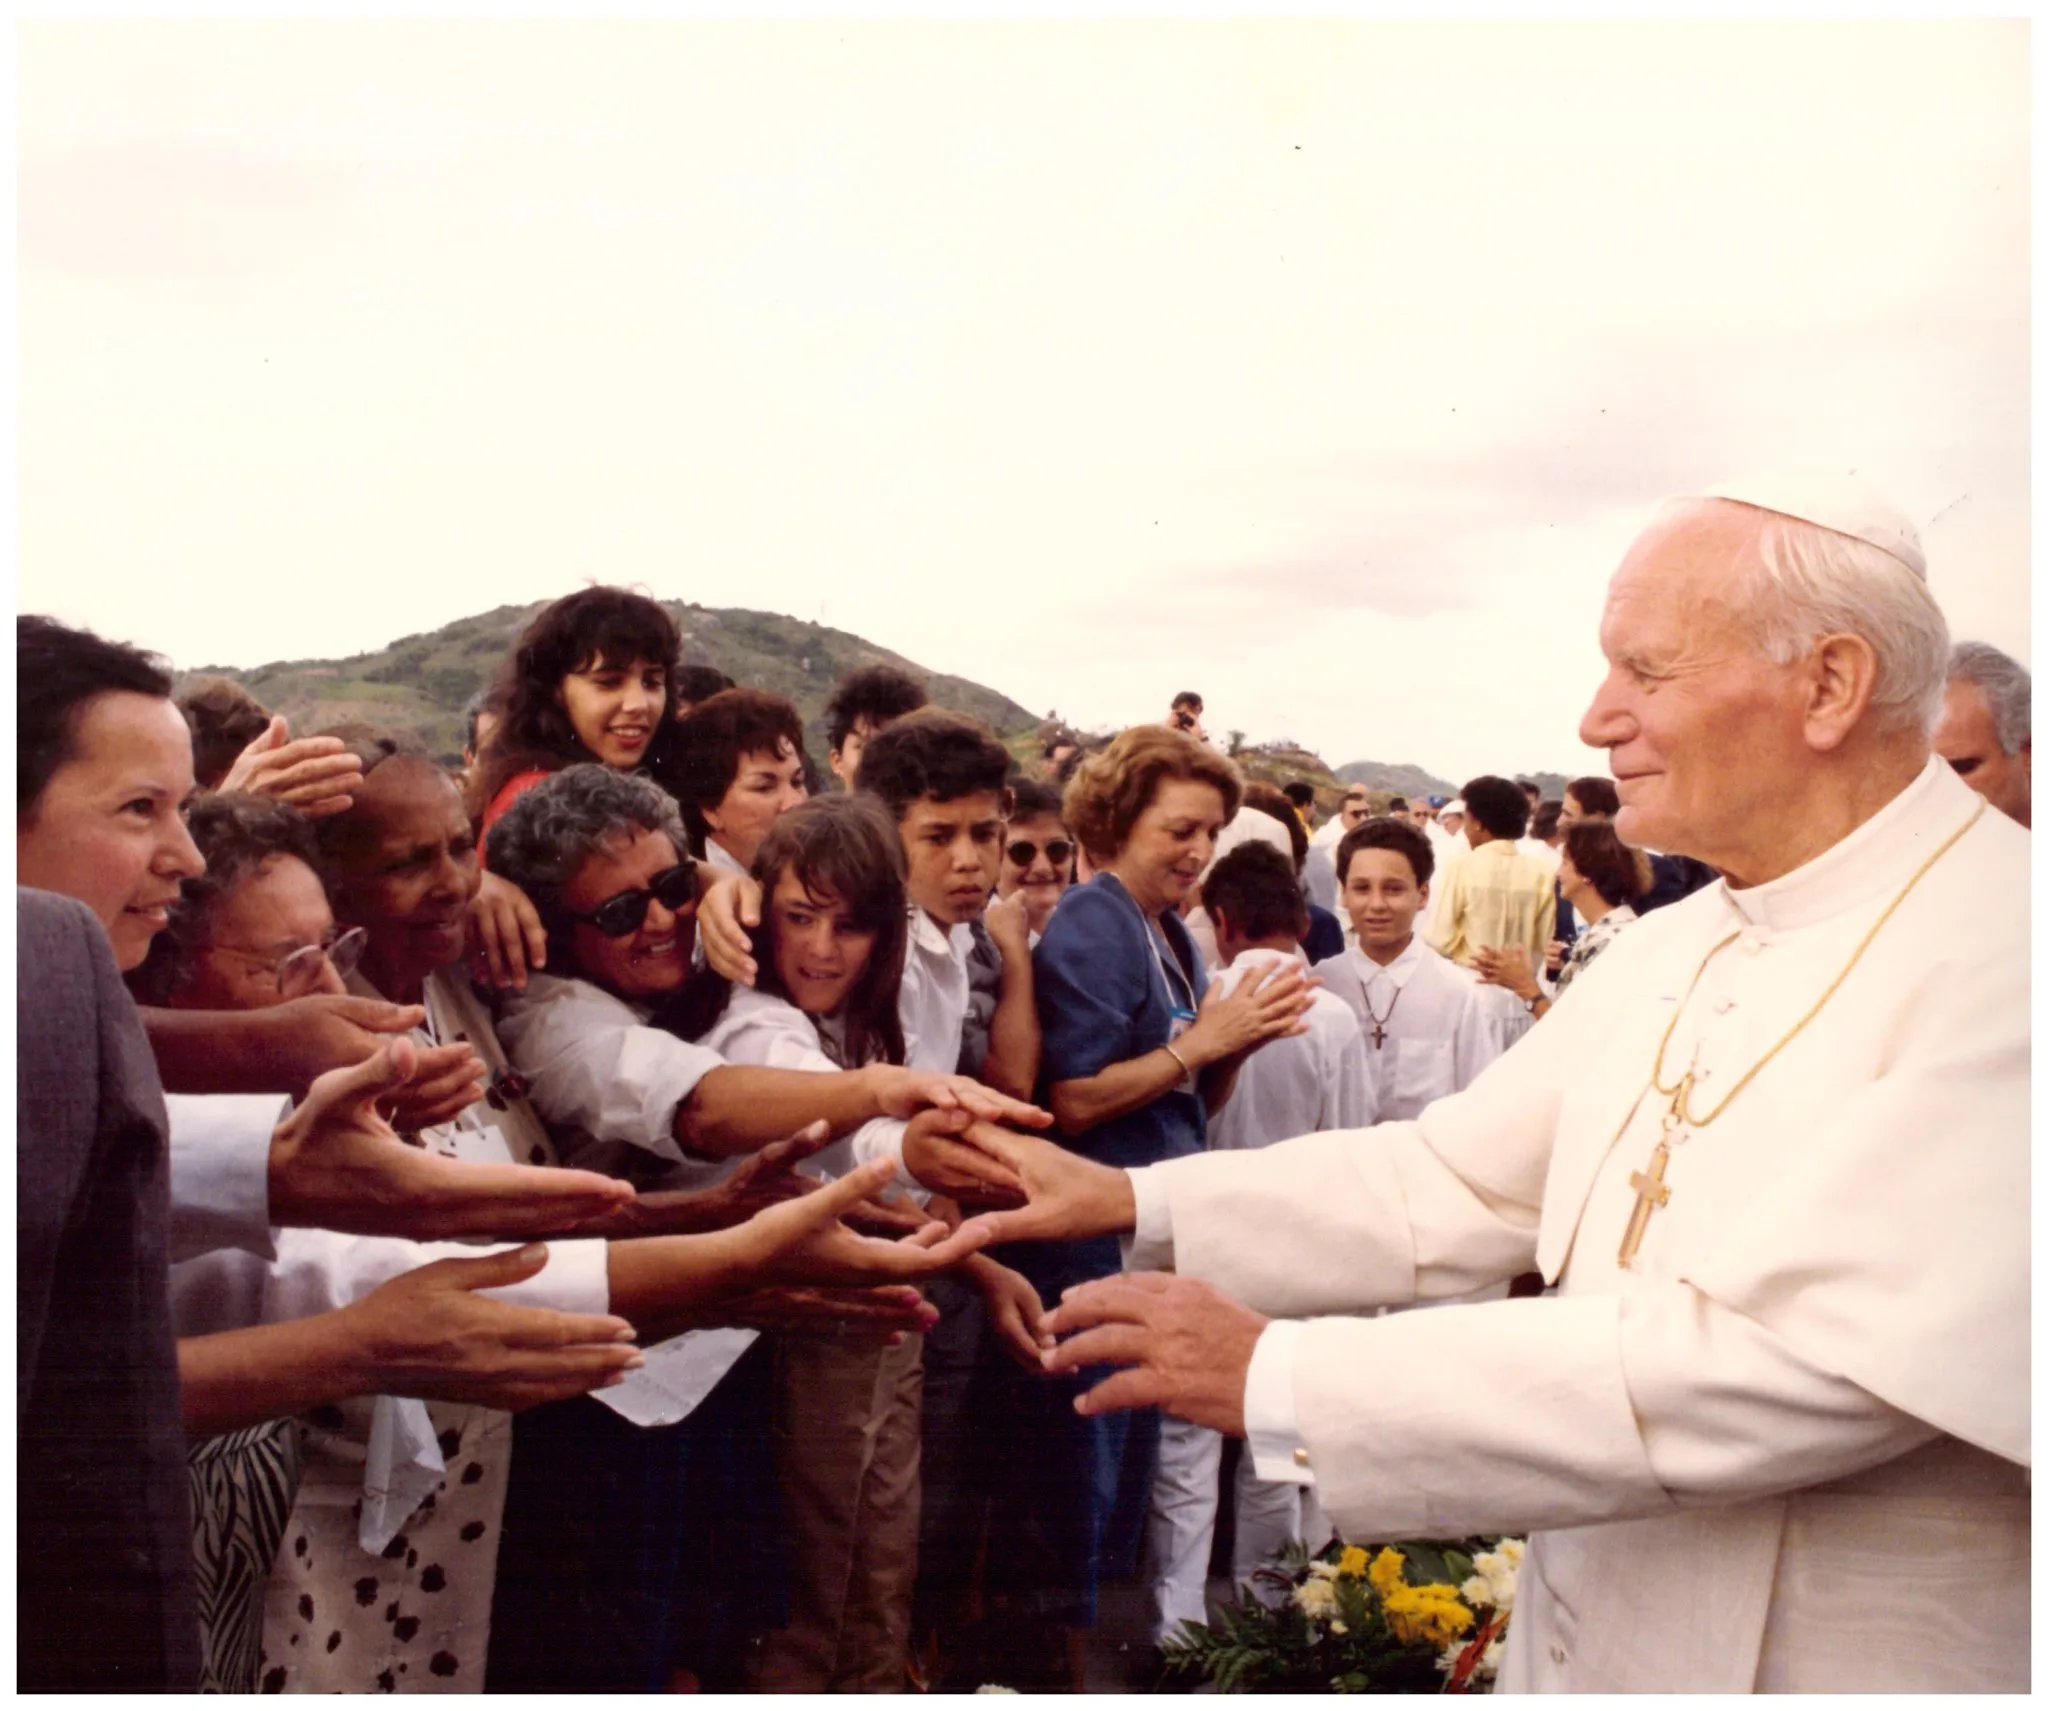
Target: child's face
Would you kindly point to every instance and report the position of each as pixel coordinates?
(1382, 898)
(819, 953)
(953, 851)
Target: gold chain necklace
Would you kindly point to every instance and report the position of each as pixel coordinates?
(1652, 1192)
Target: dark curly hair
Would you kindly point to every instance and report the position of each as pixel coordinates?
(612, 626)
(876, 693)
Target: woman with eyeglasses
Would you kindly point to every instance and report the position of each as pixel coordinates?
(399, 1501)
(255, 931)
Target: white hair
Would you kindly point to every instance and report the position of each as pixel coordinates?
(2008, 691)
(1812, 582)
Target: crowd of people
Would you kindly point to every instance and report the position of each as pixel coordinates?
(589, 1219)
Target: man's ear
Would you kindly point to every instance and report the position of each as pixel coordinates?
(1840, 674)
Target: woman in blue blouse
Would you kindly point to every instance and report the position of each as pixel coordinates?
(1134, 1061)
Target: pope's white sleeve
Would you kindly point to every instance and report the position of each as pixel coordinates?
(1358, 1218)
(1272, 1434)
(1149, 1246)
(220, 1171)
(1566, 1412)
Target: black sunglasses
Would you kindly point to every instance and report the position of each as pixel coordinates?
(675, 888)
(1021, 853)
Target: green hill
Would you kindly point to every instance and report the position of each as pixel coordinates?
(419, 684)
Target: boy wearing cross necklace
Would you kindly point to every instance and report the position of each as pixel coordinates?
(1430, 1027)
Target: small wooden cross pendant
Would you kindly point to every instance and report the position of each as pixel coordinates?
(1651, 1195)
(1379, 1036)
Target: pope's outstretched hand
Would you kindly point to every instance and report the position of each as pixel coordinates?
(1066, 1195)
(1184, 1346)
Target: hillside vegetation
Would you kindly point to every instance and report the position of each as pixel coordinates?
(418, 686)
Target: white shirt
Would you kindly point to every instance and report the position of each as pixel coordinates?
(718, 856)
(1438, 1028)
(758, 1028)
(1322, 1079)
(220, 1171)
(1537, 850)
(932, 1003)
(607, 1084)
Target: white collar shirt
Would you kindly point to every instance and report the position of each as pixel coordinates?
(1323, 1079)
(1436, 1028)
(932, 1004)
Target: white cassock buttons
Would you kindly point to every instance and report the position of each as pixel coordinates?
(1301, 1458)
(1557, 1655)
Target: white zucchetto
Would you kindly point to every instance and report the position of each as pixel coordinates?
(1834, 502)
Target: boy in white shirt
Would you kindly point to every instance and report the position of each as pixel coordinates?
(1429, 1026)
(1296, 1085)
(941, 778)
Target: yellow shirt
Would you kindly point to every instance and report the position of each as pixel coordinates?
(1494, 898)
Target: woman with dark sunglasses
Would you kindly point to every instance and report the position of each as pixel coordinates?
(1038, 852)
(613, 1574)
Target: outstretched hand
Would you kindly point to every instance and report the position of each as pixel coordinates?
(1065, 1195)
(802, 1241)
(1185, 1347)
(429, 1333)
(905, 1092)
(314, 775)
(336, 1164)
(946, 1152)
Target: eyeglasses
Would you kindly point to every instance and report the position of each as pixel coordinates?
(1023, 852)
(298, 972)
(674, 888)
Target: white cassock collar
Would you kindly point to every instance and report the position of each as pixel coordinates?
(1872, 862)
(1399, 971)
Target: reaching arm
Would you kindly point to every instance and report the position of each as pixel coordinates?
(426, 1333)
(1013, 1039)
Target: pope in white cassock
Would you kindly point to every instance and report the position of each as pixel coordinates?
(1771, 1429)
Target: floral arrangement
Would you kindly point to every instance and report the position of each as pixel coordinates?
(1400, 1618)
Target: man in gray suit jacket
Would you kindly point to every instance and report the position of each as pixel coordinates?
(103, 1537)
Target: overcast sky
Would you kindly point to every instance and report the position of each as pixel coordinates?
(1325, 367)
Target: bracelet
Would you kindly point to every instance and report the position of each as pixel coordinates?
(1185, 1067)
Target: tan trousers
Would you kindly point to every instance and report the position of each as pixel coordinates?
(846, 1428)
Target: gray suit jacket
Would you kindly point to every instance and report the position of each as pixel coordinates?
(104, 1539)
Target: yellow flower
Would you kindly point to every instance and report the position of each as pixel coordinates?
(1385, 1573)
(1352, 1562)
(1430, 1613)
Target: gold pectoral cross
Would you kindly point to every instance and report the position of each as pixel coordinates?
(1652, 1192)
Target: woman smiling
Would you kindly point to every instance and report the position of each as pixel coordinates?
(1135, 1058)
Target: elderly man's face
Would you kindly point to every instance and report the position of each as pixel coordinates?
(1356, 811)
(1967, 738)
(1706, 737)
